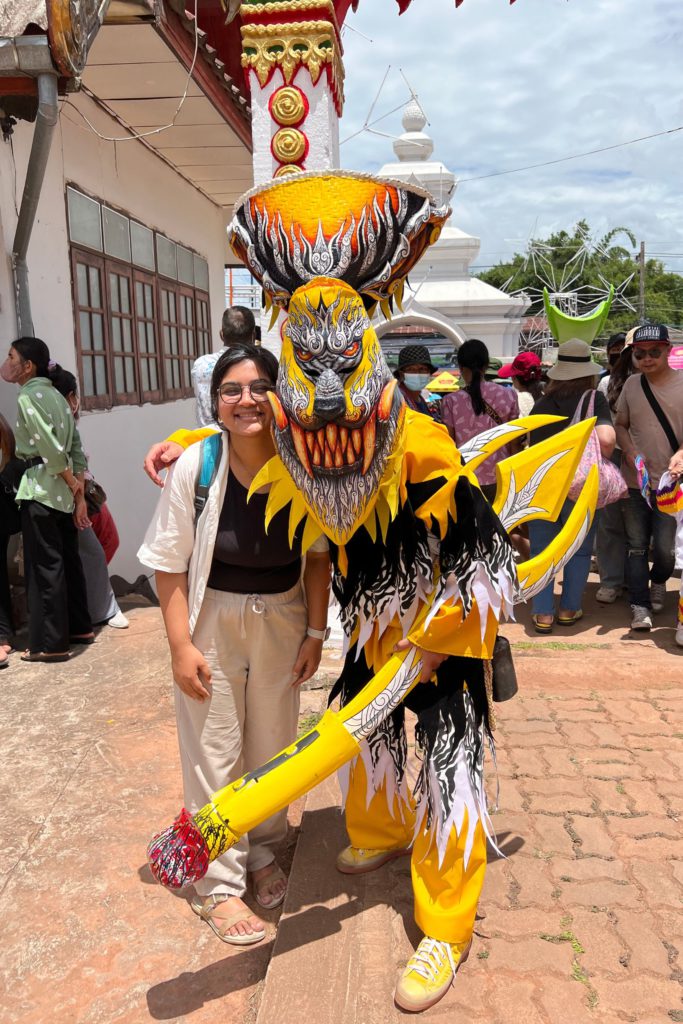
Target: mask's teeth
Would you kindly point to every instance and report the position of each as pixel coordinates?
(320, 438)
(357, 441)
(350, 455)
(329, 461)
(343, 437)
(385, 401)
(300, 446)
(317, 457)
(310, 440)
(278, 412)
(338, 457)
(369, 433)
(331, 436)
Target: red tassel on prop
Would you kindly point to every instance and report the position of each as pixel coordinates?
(178, 855)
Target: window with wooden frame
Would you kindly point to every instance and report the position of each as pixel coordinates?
(141, 304)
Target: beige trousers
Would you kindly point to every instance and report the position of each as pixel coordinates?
(251, 643)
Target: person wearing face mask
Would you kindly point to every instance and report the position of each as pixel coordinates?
(613, 349)
(414, 373)
(52, 502)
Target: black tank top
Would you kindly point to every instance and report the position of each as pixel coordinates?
(246, 559)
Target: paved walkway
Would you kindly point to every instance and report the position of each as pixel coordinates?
(582, 920)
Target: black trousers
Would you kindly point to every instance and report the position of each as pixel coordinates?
(6, 624)
(57, 599)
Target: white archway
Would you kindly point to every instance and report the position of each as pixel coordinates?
(422, 319)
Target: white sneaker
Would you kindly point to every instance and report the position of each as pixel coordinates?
(657, 596)
(118, 621)
(642, 618)
(607, 595)
(679, 635)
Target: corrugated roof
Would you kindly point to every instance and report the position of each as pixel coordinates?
(210, 56)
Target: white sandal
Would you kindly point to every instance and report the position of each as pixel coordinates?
(205, 909)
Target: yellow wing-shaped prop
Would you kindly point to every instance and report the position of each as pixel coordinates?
(537, 572)
(533, 484)
(478, 448)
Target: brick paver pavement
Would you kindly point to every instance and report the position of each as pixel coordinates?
(583, 918)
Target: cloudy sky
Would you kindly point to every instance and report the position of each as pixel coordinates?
(505, 86)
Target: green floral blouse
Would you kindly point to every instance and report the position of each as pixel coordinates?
(46, 429)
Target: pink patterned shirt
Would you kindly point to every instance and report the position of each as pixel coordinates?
(459, 417)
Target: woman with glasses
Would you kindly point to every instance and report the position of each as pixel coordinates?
(245, 627)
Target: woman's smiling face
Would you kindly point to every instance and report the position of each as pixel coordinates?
(246, 416)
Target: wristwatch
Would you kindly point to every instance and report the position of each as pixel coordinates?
(319, 634)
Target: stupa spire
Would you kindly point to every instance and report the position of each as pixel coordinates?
(414, 146)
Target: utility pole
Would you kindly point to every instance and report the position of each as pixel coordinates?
(641, 291)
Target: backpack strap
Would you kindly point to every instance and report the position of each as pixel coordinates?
(211, 454)
(659, 413)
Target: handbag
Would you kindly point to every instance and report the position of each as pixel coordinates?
(504, 683)
(94, 496)
(612, 486)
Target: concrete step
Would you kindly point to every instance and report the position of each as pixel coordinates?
(341, 939)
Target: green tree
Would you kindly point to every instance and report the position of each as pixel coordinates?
(612, 259)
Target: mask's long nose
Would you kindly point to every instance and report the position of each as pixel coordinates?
(329, 403)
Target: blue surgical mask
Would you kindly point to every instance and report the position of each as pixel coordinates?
(416, 381)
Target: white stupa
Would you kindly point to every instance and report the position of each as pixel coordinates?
(444, 295)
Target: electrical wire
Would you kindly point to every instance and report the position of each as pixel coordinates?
(154, 131)
(575, 156)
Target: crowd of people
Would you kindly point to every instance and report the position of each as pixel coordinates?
(638, 405)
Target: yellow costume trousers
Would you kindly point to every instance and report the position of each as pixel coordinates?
(446, 895)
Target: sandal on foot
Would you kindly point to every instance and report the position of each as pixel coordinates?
(205, 908)
(276, 874)
(84, 640)
(45, 658)
(569, 620)
(541, 627)
(4, 659)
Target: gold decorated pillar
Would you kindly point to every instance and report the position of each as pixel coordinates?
(292, 57)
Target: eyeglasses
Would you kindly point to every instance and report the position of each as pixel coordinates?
(232, 392)
(654, 353)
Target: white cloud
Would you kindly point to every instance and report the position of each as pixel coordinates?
(505, 86)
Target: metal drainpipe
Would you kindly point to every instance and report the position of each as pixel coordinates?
(46, 120)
